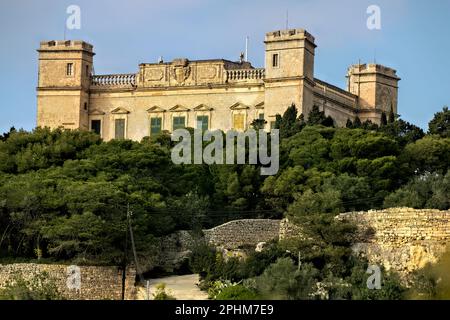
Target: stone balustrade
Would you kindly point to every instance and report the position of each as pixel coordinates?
(114, 80)
(245, 74)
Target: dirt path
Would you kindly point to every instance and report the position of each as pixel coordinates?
(181, 287)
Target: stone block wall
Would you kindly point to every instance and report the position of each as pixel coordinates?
(97, 283)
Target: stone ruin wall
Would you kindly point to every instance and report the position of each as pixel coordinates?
(401, 239)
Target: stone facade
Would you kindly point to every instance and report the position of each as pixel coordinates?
(97, 283)
(212, 94)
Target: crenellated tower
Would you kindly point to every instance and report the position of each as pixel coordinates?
(376, 87)
(65, 69)
(289, 71)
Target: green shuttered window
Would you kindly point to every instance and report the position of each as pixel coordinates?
(179, 123)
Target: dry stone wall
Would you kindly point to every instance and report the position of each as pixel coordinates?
(230, 237)
(97, 283)
(243, 233)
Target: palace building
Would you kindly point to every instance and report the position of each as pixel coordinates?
(208, 94)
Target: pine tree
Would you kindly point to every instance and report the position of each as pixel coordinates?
(349, 124)
(289, 123)
(440, 124)
(328, 122)
(316, 116)
(383, 120)
(301, 123)
(391, 116)
(278, 120)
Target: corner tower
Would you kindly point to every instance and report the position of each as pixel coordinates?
(65, 69)
(377, 89)
(289, 71)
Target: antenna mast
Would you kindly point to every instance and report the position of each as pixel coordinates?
(287, 19)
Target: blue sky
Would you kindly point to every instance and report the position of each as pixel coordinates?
(414, 39)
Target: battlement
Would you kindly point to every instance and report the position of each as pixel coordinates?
(65, 45)
(371, 68)
(290, 34)
(227, 64)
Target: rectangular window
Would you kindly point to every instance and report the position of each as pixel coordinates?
(202, 122)
(272, 124)
(262, 120)
(96, 126)
(238, 122)
(69, 69)
(119, 129)
(155, 126)
(87, 71)
(275, 60)
(179, 123)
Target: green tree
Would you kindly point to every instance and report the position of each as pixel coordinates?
(402, 131)
(349, 124)
(283, 281)
(357, 123)
(6, 135)
(315, 116)
(426, 191)
(237, 292)
(429, 154)
(258, 124)
(392, 117)
(440, 124)
(289, 124)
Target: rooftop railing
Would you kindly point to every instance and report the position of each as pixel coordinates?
(114, 80)
(245, 74)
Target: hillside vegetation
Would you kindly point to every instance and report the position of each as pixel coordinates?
(64, 195)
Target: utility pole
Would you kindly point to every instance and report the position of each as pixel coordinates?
(147, 286)
(125, 263)
(138, 271)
